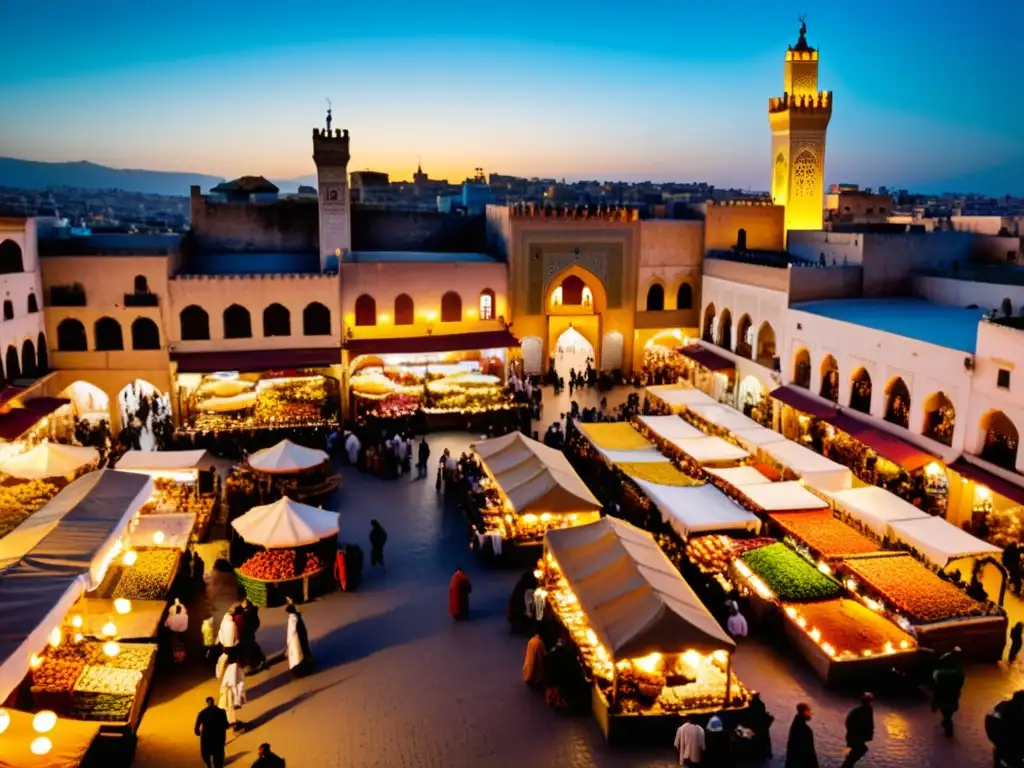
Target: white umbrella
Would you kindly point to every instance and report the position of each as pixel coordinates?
(286, 456)
(50, 460)
(286, 523)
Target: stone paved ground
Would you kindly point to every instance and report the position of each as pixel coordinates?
(399, 684)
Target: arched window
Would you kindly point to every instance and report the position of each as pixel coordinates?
(33, 304)
(195, 323)
(277, 321)
(237, 322)
(108, 335)
(708, 327)
(572, 291)
(766, 344)
(404, 310)
(744, 337)
(28, 359)
(145, 334)
(10, 260)
(939, 418)
(11, 363)
(860, 391)
(141, 284)
(802, 369)
(8, 309)
(829, 379)
(684, 296)
(316, 320)
(44, 355)
(366, 310)
(741, 240)
(71, 336)
(487, 304)
(655, 298)
(451, 308)
(999, 445)
(725, 330)
(897, 403)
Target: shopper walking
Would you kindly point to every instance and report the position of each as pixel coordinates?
(800, 751)
(458, 595)
(689, 743)
(232, 687)
(1016, 641)
(177, 625)
(212, 730)
(254, 656)
(422, 457)
(949, 682)
(300, 657)
(267, 759)
(227, 635)
(860, 729)
(378, 538)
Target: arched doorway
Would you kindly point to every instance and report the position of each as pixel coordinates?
(708, 327)
(939, 418)
(744, 337)
(860, 391)
(146, 412)
(829, 379)
(725, 330)
(532, 350)
(802, 369)
(88, 402)
(752, 396)
(766, 345)
(572, 352)
(1000, 440)
(28, 360)
(897, 403)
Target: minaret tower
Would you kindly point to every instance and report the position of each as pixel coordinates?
(330, 153)
(798, 121)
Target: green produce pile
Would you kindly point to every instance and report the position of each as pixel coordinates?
(133, 656)
(789, 576)
(104, 707)
(150, 577)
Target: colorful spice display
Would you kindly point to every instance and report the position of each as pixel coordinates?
(788, 576)
(616, 436)
(21, 499)
(150, 577)
(826, 536)
(845, 629)
(712, 554)
(657, 472)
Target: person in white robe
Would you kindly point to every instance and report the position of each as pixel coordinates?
(300, 658)
(227, 636)
(232, 687)
(352, 446)
(177, 623)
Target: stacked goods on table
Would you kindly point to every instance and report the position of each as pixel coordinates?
(172, 498)
(151, 576)
(108, 686)
(466, 392)
(279, 565)
(845, 629)
(689, 683)
(657, 472)
(825, 536)
(713, 554)
(56, 672)
(776, 571)
(20, 499)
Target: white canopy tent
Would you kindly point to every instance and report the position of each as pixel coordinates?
(756, 437)
(286, 523)
(710, 450)
(698, 509)
(817, 471)
(875, 508)
(50, 460)
(780, 497)
(940, 542)
(679, 396)
(176, 530)
(670, 427)
(740, 476)
(173, 465)
(646, 456)
(723, 417)
(286, 457)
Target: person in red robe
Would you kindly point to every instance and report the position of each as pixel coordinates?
(458, 595)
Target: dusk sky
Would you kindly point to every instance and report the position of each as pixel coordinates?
(924, 95)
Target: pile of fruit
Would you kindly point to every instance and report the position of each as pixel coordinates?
(789, 576)
(133, 656)
(112, 680)
(20, 500)
(150, 577)
(101, 707)
(712, 554)
(824, 534)
(62, 667)
(278, 565)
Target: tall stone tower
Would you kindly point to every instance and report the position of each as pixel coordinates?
(330, 153)
(799, 119)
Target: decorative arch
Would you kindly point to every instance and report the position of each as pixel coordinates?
(141, 284)
(28, 360)
(744, 337)
(805, 174)
(939, 418)
(33, 304)
(237, 322)
(725, 330)
(87, 399)
(277, 320)
(684, 296)
(359, 362)
(860, 390)
(766, 344)
(829, 379)
(802, 368)
(71, 336)
(999, 442)
(591, 283)
(195, 323)
(108, 334)
(10, 260)
(43, 354)
(366, 310)
(316, 320)
(11, 363)
(487, 304)
(145, 334)
(897, 402)
(741, 239)
(451, 307)
(779, 187)
(708, 326)
(656, 297)
(405, 310)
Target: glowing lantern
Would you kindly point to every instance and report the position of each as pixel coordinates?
(110, 648)
(55, 637)
(109, 629)
(76, 621)
(123, 605)
(44, 721)
(130, 557)
(5, 720)
(41, 746)
(158, 538)
(36, 661)
(79, 637)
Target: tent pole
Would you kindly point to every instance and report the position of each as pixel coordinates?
(728, 683)
(615, 687)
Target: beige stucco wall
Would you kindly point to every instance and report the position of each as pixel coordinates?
(17, 287)
(764, 225)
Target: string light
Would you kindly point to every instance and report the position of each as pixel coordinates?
(44, 721)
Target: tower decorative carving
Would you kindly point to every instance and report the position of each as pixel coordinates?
(799, 121)
(331, 155)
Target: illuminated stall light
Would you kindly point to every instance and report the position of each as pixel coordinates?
(5, 720)
(130, 557)
(123, 605)
(111, 648)
(44, 721)
(41, 745)
(109, 629)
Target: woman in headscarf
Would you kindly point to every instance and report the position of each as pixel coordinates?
(232, 687)
(177, 623)
(300, 658)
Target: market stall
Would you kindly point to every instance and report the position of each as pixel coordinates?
(698, 509)
(803, 463)
(20, 500)
(940, 543)
(708, 451)
(777, 497)
(736, 476)
(669, 427)
(533, 489)
(126, 619)
(174, 531)
(824, 538)
(872, 509)
(179, 466)
(755, 438)
(29, 742)
(939, 614)
(141, 574)
(679, 397)
(620, 441)
(50, 460)
(293, 547)
(721, 418)
(654, 652)
(293, 470)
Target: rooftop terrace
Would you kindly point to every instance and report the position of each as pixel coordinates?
(996, 274)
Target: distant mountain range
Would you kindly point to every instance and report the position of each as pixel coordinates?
(31, 174)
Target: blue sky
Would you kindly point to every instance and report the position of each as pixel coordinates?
(925, 96)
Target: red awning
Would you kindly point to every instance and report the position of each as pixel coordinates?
(990, 480)
(452, 342)
(17, 421)
(256, 360)
(898, 451)
(707, 358)
(803, 402)
(46, 405)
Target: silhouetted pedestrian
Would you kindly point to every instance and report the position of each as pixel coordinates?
(378, 538)
(212, 730)
(860, 729)
(800, 751)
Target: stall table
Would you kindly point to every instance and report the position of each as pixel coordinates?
(826, 537)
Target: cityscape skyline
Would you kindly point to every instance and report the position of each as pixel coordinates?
(680, 97)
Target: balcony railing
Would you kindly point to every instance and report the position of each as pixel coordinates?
(141, 300)
(67, 296)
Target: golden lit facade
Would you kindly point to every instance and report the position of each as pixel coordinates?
(799, 120)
